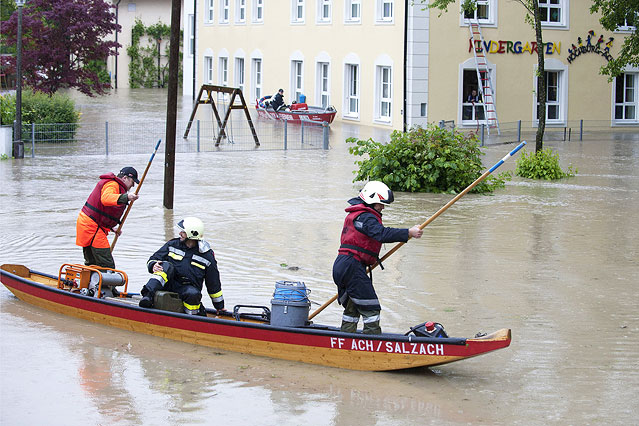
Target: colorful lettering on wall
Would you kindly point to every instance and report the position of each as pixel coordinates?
(591, 47)
(516, 47)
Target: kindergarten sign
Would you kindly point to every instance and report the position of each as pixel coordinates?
(514, 47)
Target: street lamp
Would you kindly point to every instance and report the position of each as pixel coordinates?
(18, 145)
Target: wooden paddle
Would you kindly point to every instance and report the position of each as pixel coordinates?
(430, 219)
(128, 209)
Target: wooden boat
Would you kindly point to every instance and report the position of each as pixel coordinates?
(244, 332)
(298, 112)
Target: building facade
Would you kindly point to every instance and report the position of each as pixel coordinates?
(394, 64)
(127, 11)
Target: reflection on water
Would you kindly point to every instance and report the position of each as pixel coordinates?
(555, 261)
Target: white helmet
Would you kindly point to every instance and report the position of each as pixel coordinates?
(376, 192)
(193, 227)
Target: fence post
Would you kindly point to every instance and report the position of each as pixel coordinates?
(325, 134)
(32, 140)
(581, 129)
(569, 132)
(483, 128)
(302, 132)
(564, 133)
(519, 131)
(285, 134)
(198, 136)
(106, 131)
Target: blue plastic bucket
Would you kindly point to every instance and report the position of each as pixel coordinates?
(290, 304)
(302, 99)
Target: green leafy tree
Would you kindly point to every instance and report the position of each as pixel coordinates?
(615, 14)
(533, 17)
(429, 159)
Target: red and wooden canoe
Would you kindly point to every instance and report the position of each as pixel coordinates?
(247, 333)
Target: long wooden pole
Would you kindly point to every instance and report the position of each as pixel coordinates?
(128, 209)
(430, 219)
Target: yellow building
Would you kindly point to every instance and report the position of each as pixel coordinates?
(376, 59)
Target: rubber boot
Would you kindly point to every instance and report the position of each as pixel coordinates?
(146, 301)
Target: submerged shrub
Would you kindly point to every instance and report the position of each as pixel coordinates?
(541, 165)
(430, 159)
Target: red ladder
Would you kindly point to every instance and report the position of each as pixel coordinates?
(483, 76)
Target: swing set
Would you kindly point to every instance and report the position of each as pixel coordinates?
(209, 99)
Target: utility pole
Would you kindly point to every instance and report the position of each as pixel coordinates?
(171, 106)
(18, 145)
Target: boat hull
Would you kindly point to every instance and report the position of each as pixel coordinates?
(312, 115)
(304, 344)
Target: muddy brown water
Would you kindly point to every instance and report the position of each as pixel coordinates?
(557, 262)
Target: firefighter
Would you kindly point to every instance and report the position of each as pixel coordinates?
(101, 213)
(181, 266)
(361, 240)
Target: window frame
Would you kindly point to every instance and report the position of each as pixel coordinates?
(257, 78)
(258, 9)
(352, 91)
(553, 65)
(321, 6)
(191, 35)
(634, 103)
(489, 21)
(297, 79)
(240, 12)
(208, 69)
(296, 6)
(564, 9)
(225, 12)
(380, 10)
(209, 12)
(223, 70)
(323, 83)
(239, 75)
(348, 12)
(380, 99)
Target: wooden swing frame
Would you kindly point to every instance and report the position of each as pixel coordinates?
(233, 91)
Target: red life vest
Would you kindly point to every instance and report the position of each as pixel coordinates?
(105, 216)
(361, 246)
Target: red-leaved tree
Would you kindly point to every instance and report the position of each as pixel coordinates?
(61, 39)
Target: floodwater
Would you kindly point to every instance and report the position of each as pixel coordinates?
(557, 262)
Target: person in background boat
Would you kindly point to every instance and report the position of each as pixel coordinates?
(277, 102)
(101, 213)
(361, 240)
(181, 266)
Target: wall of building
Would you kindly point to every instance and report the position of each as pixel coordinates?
(278, 41)
(583, 92)
(149, 12)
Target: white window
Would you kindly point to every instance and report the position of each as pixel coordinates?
(209, 11)
(208, 69)
(323, 84)
(257, 78)
(324, 10)
(554, 12)
(352, 11)
(472, 101)
(297, 11)
(297, 74)
(384, 11)
(352, 91)
(626, 97)
(240, 11)
(484, 13)
(384, 93)
(258, 11)
(239, 73)
(191, 35)
(223, 70)
(224, 11)
(628, 24)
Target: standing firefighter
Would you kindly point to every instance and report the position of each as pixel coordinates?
(362, 237)
(181, 266)
(101, 213)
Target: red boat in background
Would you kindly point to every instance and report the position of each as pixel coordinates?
(296, 112)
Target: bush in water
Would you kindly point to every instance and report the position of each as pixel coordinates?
(430, 159)
(541, 165)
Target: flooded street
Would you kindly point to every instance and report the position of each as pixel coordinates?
(557, 262)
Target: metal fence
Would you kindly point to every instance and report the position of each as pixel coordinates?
(516, 131)
(137, 138)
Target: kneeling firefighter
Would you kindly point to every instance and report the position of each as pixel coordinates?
(181, 266)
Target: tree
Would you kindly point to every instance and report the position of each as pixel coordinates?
(534, 18)
(615, 14)
(62, 40)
